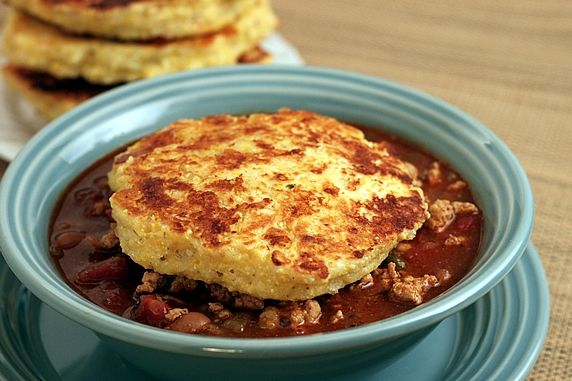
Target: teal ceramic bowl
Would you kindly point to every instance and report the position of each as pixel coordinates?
(60, 152)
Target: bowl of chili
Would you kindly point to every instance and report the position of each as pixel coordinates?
(466, 150)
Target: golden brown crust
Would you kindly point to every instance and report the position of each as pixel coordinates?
(48, 95)
(36, 45)
(302, 193)
(95, 4)
(73, 89)
(52, 96)
(137, 19)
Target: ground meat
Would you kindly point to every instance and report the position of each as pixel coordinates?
(219, 293)
(175, 313)
(464, 207)
(296, 317)
(386, 276)
(337, 317)
(247, 302)
(365, 282)
(218, 310)
(269, 318)
(442, 214)
(443, 276)
(411, 290)
(183, 284)
(392, 270)
(457, 186)
(453, 240)
(434, 175)
(405, 288)
(308, 312)
(312, 311)
(150, 282)
(386, 284)
(234, 299)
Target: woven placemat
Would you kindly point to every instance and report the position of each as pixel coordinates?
(509, 64)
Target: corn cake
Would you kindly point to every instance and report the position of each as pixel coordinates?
(137, 19)
(34, 45)
(51, 96)
(284, 206)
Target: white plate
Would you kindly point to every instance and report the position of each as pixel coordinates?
(18, 120)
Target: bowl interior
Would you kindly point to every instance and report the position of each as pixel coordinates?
(60, 152)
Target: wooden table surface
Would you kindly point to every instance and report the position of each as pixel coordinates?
(508, 63)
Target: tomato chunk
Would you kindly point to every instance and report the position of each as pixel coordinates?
(151, 311)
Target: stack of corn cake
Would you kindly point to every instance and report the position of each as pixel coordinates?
(62, 52)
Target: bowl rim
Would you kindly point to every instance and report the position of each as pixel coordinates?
(118, 328)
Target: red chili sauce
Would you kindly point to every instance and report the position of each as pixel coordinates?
(87, 254)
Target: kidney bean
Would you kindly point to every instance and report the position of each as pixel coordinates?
(190, 323)
(97, 208)
(68, 240)
(63, 225)
(101, 182)
(111, 296)
(84, 194)
(151, 311)
(237, 323)
(113, 268)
